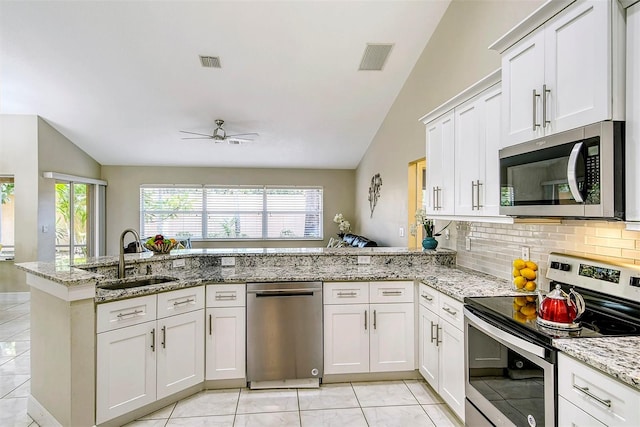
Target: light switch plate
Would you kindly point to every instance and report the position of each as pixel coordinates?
(364, 259)
(467, 243)
(525, 253)
(228, 261)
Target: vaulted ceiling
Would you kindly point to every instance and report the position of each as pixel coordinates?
(121, 78)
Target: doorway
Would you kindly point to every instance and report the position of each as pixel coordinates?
(417, 179)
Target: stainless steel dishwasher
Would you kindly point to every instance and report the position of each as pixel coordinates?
(284, 334)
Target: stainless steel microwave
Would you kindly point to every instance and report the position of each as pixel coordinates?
(573, 174)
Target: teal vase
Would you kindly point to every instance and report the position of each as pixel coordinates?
(429, 243)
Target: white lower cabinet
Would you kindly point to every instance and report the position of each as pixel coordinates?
(225, 332)
(591, 395)
(441, 346)
(368, 337)
(140, 358)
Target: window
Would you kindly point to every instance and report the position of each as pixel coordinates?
(7, 217)
(224, 213)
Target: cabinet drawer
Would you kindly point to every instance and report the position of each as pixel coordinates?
(451, 311)
(118, 314)
(391, 292)
(609, 401)
(231, 295)
(346, 293)
(428, 297)
(180, 301)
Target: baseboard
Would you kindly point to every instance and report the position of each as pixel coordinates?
(371, 376)
(40, 415)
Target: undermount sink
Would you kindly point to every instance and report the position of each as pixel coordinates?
(134, 282)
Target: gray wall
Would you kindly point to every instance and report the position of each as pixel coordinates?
(455, 57)
(123, 195)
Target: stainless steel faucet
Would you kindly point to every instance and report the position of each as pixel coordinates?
(138, 246)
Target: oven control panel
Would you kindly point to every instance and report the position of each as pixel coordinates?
(618, 279)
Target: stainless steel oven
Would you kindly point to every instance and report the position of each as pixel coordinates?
(510, 361)
(577, 173)
(509, 381)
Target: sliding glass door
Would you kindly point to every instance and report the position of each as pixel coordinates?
(73, 214)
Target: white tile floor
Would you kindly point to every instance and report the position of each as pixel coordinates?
(388, 403)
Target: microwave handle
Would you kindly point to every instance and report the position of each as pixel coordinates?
(571, 172)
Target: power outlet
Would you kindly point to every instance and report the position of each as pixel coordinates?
(525, 253)
(467, 243)
(228, 261)
(401, 232)
(364, 259)
(181, 262)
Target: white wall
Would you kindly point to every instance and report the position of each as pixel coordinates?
(455, 57)
(123, 195)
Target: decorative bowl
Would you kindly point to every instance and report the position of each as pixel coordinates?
(163, 248)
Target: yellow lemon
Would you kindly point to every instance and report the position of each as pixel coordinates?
(528, 273)
(519, 317)
(531, 298)
(530, 286)
(519, 264)
(520, 301)
(519, 282)
(516, 272)
(532, 265)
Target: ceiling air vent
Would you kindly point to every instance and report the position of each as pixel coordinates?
(210, 61)
(375, 55)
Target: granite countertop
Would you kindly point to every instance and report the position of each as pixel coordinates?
(616, 356)
(460, 282)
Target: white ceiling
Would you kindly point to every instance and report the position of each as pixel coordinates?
(121, 78)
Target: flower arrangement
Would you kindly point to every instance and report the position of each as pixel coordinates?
(343, 225)
(426, 223)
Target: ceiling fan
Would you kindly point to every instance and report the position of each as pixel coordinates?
(219, 135)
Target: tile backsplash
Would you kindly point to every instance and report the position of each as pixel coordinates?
(493, 247)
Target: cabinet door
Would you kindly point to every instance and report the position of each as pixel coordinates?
(428, 346)
(392, 338)
(451, 375)
(440, 164)
(632, 143)
(225, 343)
(578, 66)
(522, 73)
(125, 370)
(180, 352)
(469, 154)
(346, 338)
(570, 415)
(491, 140)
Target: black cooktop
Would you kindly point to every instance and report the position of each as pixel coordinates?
(602, 317)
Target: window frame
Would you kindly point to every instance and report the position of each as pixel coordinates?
(264, 212)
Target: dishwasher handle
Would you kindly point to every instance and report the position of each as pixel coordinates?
(283, 293)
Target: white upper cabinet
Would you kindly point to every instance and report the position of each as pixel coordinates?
(463, 139)
(440, 165)
(632, 145)
(565, 73)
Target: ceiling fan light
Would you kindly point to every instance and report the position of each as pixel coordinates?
(219, 134)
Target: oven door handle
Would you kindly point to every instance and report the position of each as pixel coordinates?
(571, 172)
(503, 335)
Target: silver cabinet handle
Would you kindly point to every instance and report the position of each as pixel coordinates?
(439, 198)
(365, 320)
(153, 339)
(374, 319)
(187, 301)
(473, 195)
(210, 325)
(131, 313)
(535, 104)
(478, 185)
(164, 337)
(448, 310)
(435, 200)
(427, 297)
(227, 297)
(545, 91)
(438, 340)
(391, 293)
(432, 337)
(585, 390)
(347, 294)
